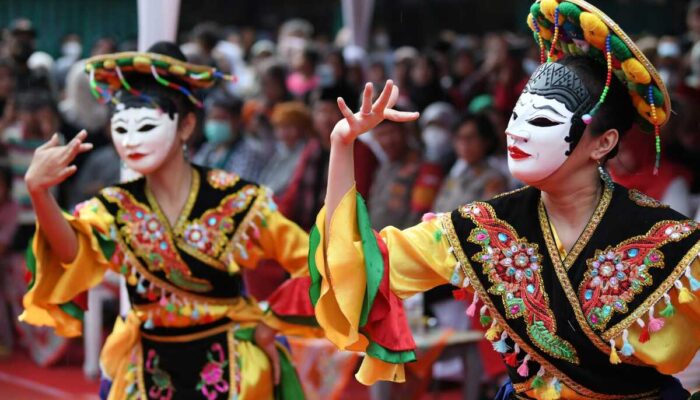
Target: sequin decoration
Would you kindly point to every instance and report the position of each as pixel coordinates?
(222, 180)
(212, 378)
(513, 266)
(209, 234)
(162, 388)
(149, 239)
(644, 200)
(615, 275)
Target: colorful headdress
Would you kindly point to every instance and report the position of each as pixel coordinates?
(110, 73)
(574, 27)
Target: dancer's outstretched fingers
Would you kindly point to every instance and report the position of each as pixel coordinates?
(381, 103)
(394, 97)
(367, 94)
(401, 116)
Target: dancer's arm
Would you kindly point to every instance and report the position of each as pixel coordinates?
(341, 168)
(50, 166)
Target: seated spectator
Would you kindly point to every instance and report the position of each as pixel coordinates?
(634, 165)
(306, 193)
(292, 127)
(227, 146)
(303, 80)
(472, 177)
(8, 216)
(392, 191)
(38, 120)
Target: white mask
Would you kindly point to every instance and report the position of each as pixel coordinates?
(537, 133)
(437, 141)
(144, 137)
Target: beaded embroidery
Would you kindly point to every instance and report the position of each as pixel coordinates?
(148, 237)
(513, 266)
(645, 201)
(222, 180)
(209, 233)
(615, 275)
(212, 380)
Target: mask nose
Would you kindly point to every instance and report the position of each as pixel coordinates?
(130, 140)
(519, 135)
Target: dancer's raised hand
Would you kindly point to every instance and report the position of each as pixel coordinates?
(51, 163)
(370, 114)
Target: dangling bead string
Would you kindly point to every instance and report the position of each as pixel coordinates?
(655, 324)
(694, 283)
(552, 48)
(657, 130)
(471, 310)
(627, 349)
(685, 296)
(539, 39)
(587, 118)
(614, 358)
(669, 310)
(175, 86)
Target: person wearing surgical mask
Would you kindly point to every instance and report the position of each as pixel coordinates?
(227, 147)
(180, 235)
(71, 52)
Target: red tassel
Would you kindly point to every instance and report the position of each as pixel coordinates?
(459, 294)
(512, 359)
(644, 336)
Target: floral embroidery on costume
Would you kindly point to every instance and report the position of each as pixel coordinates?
(212, 380)
(222, 180)
(209, 233)
(143, 231)
(513, 266)
(615, 275)
(162, 388)
(644, 200)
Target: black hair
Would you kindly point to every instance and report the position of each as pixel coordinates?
(6, 176)
(222, 99)
(484, 128)
(169, 100)
(32, 100)
(617, 111)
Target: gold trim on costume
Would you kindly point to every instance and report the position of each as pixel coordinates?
(476, 284)
(189, 337)
(242, 228)
(652, 299)
(139, 372)
(563, 277)
(643, 200)
(518, 190)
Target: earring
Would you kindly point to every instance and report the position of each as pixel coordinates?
(185, 151)
(605, 176)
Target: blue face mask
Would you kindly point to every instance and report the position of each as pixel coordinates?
(217, 132)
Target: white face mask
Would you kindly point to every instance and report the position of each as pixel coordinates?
(144, 137)
(437, 141)
(536, 137)
(72, 49)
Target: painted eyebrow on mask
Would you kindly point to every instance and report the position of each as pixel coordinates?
(548, 107)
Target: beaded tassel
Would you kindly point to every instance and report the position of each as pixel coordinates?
(501, 346)
(669, 310)
(614, 358)
(493, 332)
(685, 296)
(553, 391)
(456, 277)
(644, 336)
(523, 370)
(657, 129)
(163, 301)
(555, 38)
(587, 118)
(694, 283)
(512, 358)
(655, 324)
(471, 310)
(132, 280)
(149, 322)
(627, 349)
(538, 382)
(484, 318)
